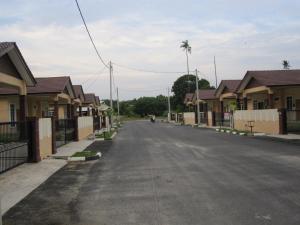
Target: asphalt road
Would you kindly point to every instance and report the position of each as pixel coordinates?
(160, 174)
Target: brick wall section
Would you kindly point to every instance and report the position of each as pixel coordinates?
(264, 121)
(189, 118)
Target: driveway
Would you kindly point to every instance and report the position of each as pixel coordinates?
(161, 174)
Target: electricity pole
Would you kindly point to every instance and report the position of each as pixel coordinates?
(118, 105)
(110, 84)
(197, 98)
(216, 72)
(110, 90)
(169, 106)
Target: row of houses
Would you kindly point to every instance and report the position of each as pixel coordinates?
(263, 101)
(40, 114)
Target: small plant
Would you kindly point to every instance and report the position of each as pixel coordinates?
(84, 154)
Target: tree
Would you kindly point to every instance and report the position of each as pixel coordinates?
(188, 49)
(186, 84)
(286, 64)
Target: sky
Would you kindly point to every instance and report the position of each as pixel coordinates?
(146, 34)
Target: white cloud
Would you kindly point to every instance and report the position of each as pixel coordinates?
(53, 50)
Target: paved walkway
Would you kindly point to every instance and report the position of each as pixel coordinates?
(17, 183)
(68, 150)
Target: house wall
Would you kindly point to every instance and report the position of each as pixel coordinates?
(5, 101)
(45, 137)
(62, 111)
(38, 107)
(85, 127)
(213, 105)
(279, 97)
(265, 121)
(189, 118)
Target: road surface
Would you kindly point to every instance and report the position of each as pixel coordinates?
(161, 174)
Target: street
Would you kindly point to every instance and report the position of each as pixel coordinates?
(162, 174)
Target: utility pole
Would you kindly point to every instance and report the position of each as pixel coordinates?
(169, 106)
(216, 78)
(197, 98)
(118, 105)
(110, 84)
(110, 90)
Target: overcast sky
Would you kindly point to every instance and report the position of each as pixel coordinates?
(243, 34)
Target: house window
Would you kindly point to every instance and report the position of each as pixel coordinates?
(255, 104)
(12, 113)
(289, 103)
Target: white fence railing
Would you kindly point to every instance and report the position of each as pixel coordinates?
(85, 121)
(257, 115)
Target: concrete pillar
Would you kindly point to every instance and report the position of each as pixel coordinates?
(245, 103)
(53, 128)
(282, 121)
(23, 107)
(69, 111)
(271, 101)
(56, 110)
(238, 104)
(80, 110)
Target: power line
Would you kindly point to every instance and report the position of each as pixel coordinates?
(146, 71)
(90, 36)
(92, 76)
(97, 77)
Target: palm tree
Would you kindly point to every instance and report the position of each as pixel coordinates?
(286, 64)
(188, 49)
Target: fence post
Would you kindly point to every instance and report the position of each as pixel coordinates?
(53, 127)
(34, 146)
(76, 128)
(213, 118)
(282, 121)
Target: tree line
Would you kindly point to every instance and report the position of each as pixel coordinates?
(158, 105)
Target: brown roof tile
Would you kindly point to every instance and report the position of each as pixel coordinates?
(205, 94)
(90, 98)
(276, 77)
(44, 85)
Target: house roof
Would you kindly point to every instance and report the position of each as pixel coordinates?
(46, 85)
(206, 94)
(270, 78)
(79, 92)
(188, 97)
(90, 98)
(97, 100)
(12, 50)
(227, 86)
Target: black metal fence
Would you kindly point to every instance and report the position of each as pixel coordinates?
(203, 117)
(293, 121)
(64, 131)
(14, 144)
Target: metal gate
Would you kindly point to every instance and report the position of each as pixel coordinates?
(203, 117)
(14, 144)
(96, 123)
(224, 119)
(64, 131)
(293, 121)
